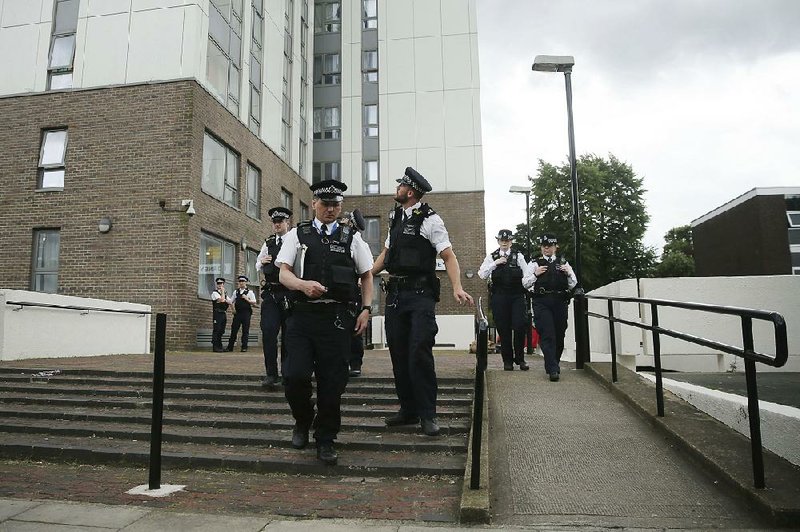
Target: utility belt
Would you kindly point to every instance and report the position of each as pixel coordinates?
(321, 308)
(541, 292)
(272, 288)
(420, 284)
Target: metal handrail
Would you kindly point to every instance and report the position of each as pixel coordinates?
(75, 307)
(481, 356)
(747, 352)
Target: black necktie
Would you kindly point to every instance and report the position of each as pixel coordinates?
(323, 230)
(278, 240)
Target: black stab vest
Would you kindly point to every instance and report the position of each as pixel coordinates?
(553, 279)
(270, 270)
(329, 263)
(219, 306)
(240, 303)
(507, 278)
(410, 253)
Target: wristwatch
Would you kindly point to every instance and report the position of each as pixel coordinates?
(367, 308)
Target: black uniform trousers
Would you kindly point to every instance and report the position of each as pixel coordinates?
(356, 352)
(550, 313)
(240, 319)
(318, 343)
(411, 332)
(508, 310)
(273, 319)
(220, 319)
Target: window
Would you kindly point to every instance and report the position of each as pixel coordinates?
(303, 151)
(327, 17)
(369, 14)
(327, 69)
(44, 274)
(794, 236)
(327, 123)
(304, 213)
(52, 155)
(224, 59)
(371, 181)
(371, 120)
(794, 218)
(326, 170)
(62, 44)
(286, 115)
(250, 269)
(369, 66)
(220, 171)
(372, 234)
(286, 199)
(217, 258)
(253, 192)
(256, 58)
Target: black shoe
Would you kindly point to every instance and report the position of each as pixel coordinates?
(269, 381)
(429, 427)
(508, 367)
(523, 366)
(401, 419)
(229, 348)
(299, 438)
(355, 372)
(219, 350)
(554, 377)
(327, 453)
(244, 350)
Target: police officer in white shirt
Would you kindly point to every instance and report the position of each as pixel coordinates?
(322, 261)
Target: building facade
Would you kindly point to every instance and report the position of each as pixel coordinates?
(146, 139)
(757, 233)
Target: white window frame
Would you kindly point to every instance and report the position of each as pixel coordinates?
(327, 17)
(327, 123)
(372, 180)
(52, 170)
(60, 76)
(287, 198)
(223, 266)
(228, 192)
(253, 192)
(369, 66)
(328, 69)
(326, 170)
(370, 117)
(44, 275)
(229, 45)
(369, 14)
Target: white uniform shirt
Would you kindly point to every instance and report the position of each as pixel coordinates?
(216, 296)
(250, 296)
(432, 228)
(359, 250)
(529, 278)
(488, 266)
(264, 252)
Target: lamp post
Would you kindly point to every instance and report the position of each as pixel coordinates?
(527, 192)
(564, 63)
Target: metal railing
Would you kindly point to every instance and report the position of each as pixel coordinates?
(22, 304)
(481, 354)
(747, 352)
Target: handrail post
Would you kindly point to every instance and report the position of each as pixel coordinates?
(657, 361)
(581, 315)
(481, 356)
(754, 415)
(613, 339)
(158, 402)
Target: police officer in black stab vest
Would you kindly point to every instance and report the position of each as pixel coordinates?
(550, 279)
(322, 260)
(273, 294)
(506, 267)
(242, 300)
(355, 220)
(416, 236)
(219, 312)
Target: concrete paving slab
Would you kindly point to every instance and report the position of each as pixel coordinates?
(321, 525)
(159, 521)
(9, 508)
(24, 526)
(87, 515)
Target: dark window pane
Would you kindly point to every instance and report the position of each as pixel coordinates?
(255, 72)
(219, 30)
(794, 236)
(235, 49)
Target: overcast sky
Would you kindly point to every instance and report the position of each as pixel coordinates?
(700, 97)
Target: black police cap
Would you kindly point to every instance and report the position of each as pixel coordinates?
(279, 214)
(329, 190)
(504, 234)
(415, 180)
(548, 239)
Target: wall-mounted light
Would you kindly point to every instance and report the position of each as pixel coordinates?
(187, 206)
(243, 244)
(469, 274)
(104, 225)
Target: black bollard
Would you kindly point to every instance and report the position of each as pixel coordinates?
(158, 402)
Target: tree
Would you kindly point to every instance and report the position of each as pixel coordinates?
(613, 217)
(677, 259)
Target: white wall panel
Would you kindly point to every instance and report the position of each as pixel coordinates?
(431, 164)
(458, 118)
(155, 34)
(428, 64)
(460, 168)
(195, 42)
(427, 18)
(107, 7)
(457, 19)
(47, 10)
(18, 54)
(430, 119)
(398, 68)
(21, 12)
(399, 17)
(457, 62)
(400, 120)
(105, 50)
(398, 160)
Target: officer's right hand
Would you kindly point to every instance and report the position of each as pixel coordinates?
(501, 260)
(540, 270)
(313, 289)
(267, 259)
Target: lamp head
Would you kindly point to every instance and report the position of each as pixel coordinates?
(189, 204)
(553, 63)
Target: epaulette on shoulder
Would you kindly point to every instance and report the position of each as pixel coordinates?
(270, 240)
(426, 210)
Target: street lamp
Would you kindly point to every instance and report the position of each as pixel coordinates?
(564, 63)
(527, 192)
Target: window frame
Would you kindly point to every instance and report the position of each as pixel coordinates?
(228, 189)
(51, 167)
(38, 274)
(60, 71)
(369, 22)
(326, 71)
(325, 127)
(370, 129)
(235, 23)
(369, 72)
(227, 248)
(253, 208)
(287, 199)
(305, 212)
(327, 21)
(371, 181)
(322, 170)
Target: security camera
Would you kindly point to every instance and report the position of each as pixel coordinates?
(189, 204)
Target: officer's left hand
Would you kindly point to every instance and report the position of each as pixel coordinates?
(267, 259)
(566, 268)
(361, 323)
(463, 297)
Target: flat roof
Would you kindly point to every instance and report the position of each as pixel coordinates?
(752, 193)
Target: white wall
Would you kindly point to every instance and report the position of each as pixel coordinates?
(458, 330)
(35, 332)
(779, 293)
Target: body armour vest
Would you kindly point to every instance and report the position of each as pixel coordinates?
(240, 303)
(410, 253)
(328, 262)
(219, 306)
(270, 270)
(507, 278)
(553, 279)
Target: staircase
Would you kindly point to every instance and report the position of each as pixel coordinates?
(219, 422)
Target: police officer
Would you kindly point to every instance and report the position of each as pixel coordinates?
(322, 260)
(416, 236)
(551, 280)
(273, 294)
(506, 267)
(242, 300)
(355, 220)
(219, 312)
